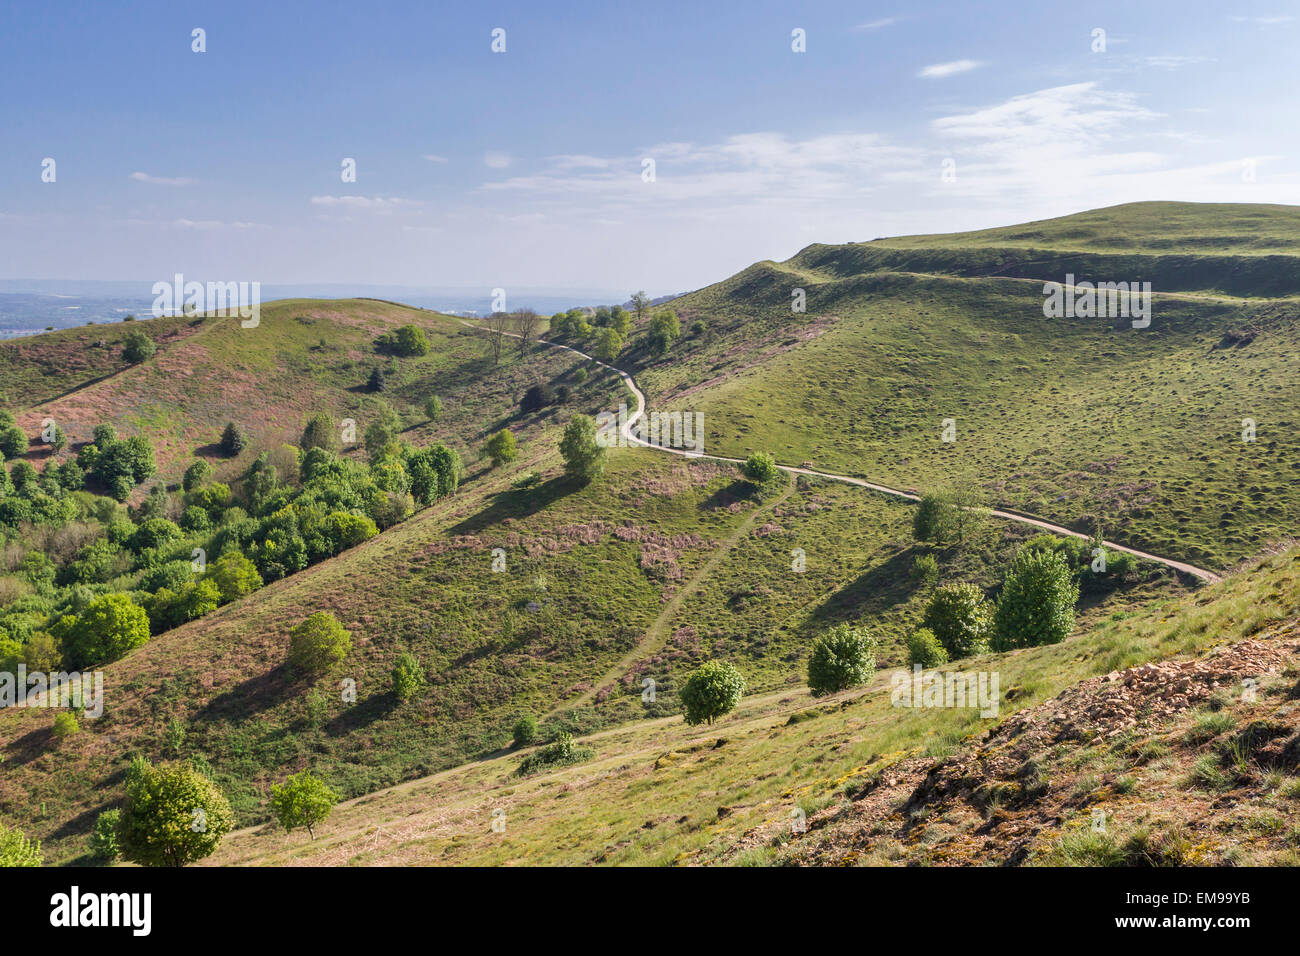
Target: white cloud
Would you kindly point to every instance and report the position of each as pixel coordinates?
(364, 203)
(1264, 21)
(938, 71)
(161, 180)
(495, 160)
(435, 158)
(877, 24)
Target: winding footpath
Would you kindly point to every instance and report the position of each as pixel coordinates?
(629, 435)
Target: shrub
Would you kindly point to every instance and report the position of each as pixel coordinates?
(109, 627)
(65, 724)
(137, 347)
(17, 850)
(349, 530)
(103, 838)
(13, 442)
(411, 340)
(433, 408)
(841, 658)
(408, 677)
(558, 754)
(173, 815)
(925, 569)
(302, 801)
(1036, 605)
(934, 520)
(760, 468)
(961, 618)
(233, 440)
(584, 458)
(925, 649)
(234, 576)
(501, 448)
(713, 690)
(525, 730)
(195, 475)
(319, 433)
(377, 381)
(318, 643)
(664, 330)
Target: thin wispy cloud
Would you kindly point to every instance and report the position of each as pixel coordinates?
(435, 158)
(364, 203)
(876, 24)
(161, 180)
(938, 71)
(495, 160)
(1264, 21)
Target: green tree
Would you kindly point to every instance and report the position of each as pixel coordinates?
(412, 341)
(173, 815)
(584, 458)
(110, 627)
(318, 643)
(103, 838)
(65, 724)
(377, 382)
(302, 801)
(843, 657)
(382, 430)
(137, 347)
(234, 576)
(925, 649)
(1036, 605)
(713, 690)
(17, 850)
(501, 448)
(319, 433)
(665, 329)
(433, 408)
(640, 305)
(233, 440)
(195, 475)
(525, 731)
(961, 618)
(13, 442)
(408, 677)
(608, 344)
(760, 468)
(934, 520)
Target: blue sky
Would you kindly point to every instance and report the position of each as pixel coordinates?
(525, 167)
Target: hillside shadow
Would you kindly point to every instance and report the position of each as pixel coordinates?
(875, 591)
(517, 503)
(728, 495)
(29, 746)
(361, 714)
(245, 700)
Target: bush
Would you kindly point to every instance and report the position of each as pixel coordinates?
(103, 838)
(377, 381)
(302, 801)
(137, 347)
(525, 731)
(408, 677)
(664, 330)
(233, 440)
(1036, 605)
(760, 468)
(925, 569)
(584, 458)
(318, 643)
(195, 475)
(536, 398)
(843, 657)
(713, 690)
(173, 815)
(558, 754)
(433, 408)
(411, 340)
(13, 442)
(925, 649)
(234, 576)
(935, 520)
(17, 850)
(501, 448)
(319, 433)
(961, 618)
(349, 530)
(65, 724)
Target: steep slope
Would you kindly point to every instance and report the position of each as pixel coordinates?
(879, 783)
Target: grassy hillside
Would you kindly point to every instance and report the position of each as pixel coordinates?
(864, 773)
(1077, 420)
